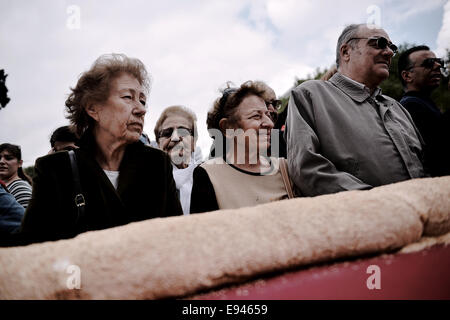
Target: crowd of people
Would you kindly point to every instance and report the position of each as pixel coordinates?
(339, 133)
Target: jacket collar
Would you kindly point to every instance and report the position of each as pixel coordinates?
(87, 142)
(425, 99)
(355, 90)
(419, 94)
(127, 168)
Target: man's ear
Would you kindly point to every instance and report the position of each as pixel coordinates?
(406, 76)
(92, 111)
(20, 163)
(345, 52)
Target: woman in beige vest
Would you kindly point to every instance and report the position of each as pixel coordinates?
(240, 174)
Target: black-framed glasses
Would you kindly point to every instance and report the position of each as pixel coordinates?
(275, 103)
(273, 116)
(379, 43)
(181, 132)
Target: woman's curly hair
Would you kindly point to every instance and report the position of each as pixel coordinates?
(226, 105)
(94, 86)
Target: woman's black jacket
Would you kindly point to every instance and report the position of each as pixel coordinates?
(146, 190)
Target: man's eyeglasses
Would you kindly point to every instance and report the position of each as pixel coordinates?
(275, 103)
(428, 63)
(181, 132)
(379, 43)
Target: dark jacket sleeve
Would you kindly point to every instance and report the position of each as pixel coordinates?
(48, 217)
(435, 134)
(203, 197)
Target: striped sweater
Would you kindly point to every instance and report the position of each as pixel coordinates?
(21, 190)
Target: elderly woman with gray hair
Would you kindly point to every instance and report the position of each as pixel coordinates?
(113, 179)
(176, 134)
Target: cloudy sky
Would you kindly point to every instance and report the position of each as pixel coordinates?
(191, 48)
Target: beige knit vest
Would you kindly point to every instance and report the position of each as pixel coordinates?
(235, 189)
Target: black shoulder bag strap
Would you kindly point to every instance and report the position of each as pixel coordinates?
(79, 198)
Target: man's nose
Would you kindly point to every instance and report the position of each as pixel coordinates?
(437, 66)
(388, 52)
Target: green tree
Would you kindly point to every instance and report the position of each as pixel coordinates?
(29, 171)
(315, 76)
(441, 96)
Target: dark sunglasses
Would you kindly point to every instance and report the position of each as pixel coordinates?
(181, 132)
(429, 63)
(379, 43)
(225, 94)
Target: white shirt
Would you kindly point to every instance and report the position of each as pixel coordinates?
(184, 179)
(113, 176)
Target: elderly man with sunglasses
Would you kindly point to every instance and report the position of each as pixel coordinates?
(343, 134)
(420, 73)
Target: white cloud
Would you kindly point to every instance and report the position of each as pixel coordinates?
(443, 40)
(190, 47)
(407, 9)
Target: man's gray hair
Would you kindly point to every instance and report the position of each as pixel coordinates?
(349, 32)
